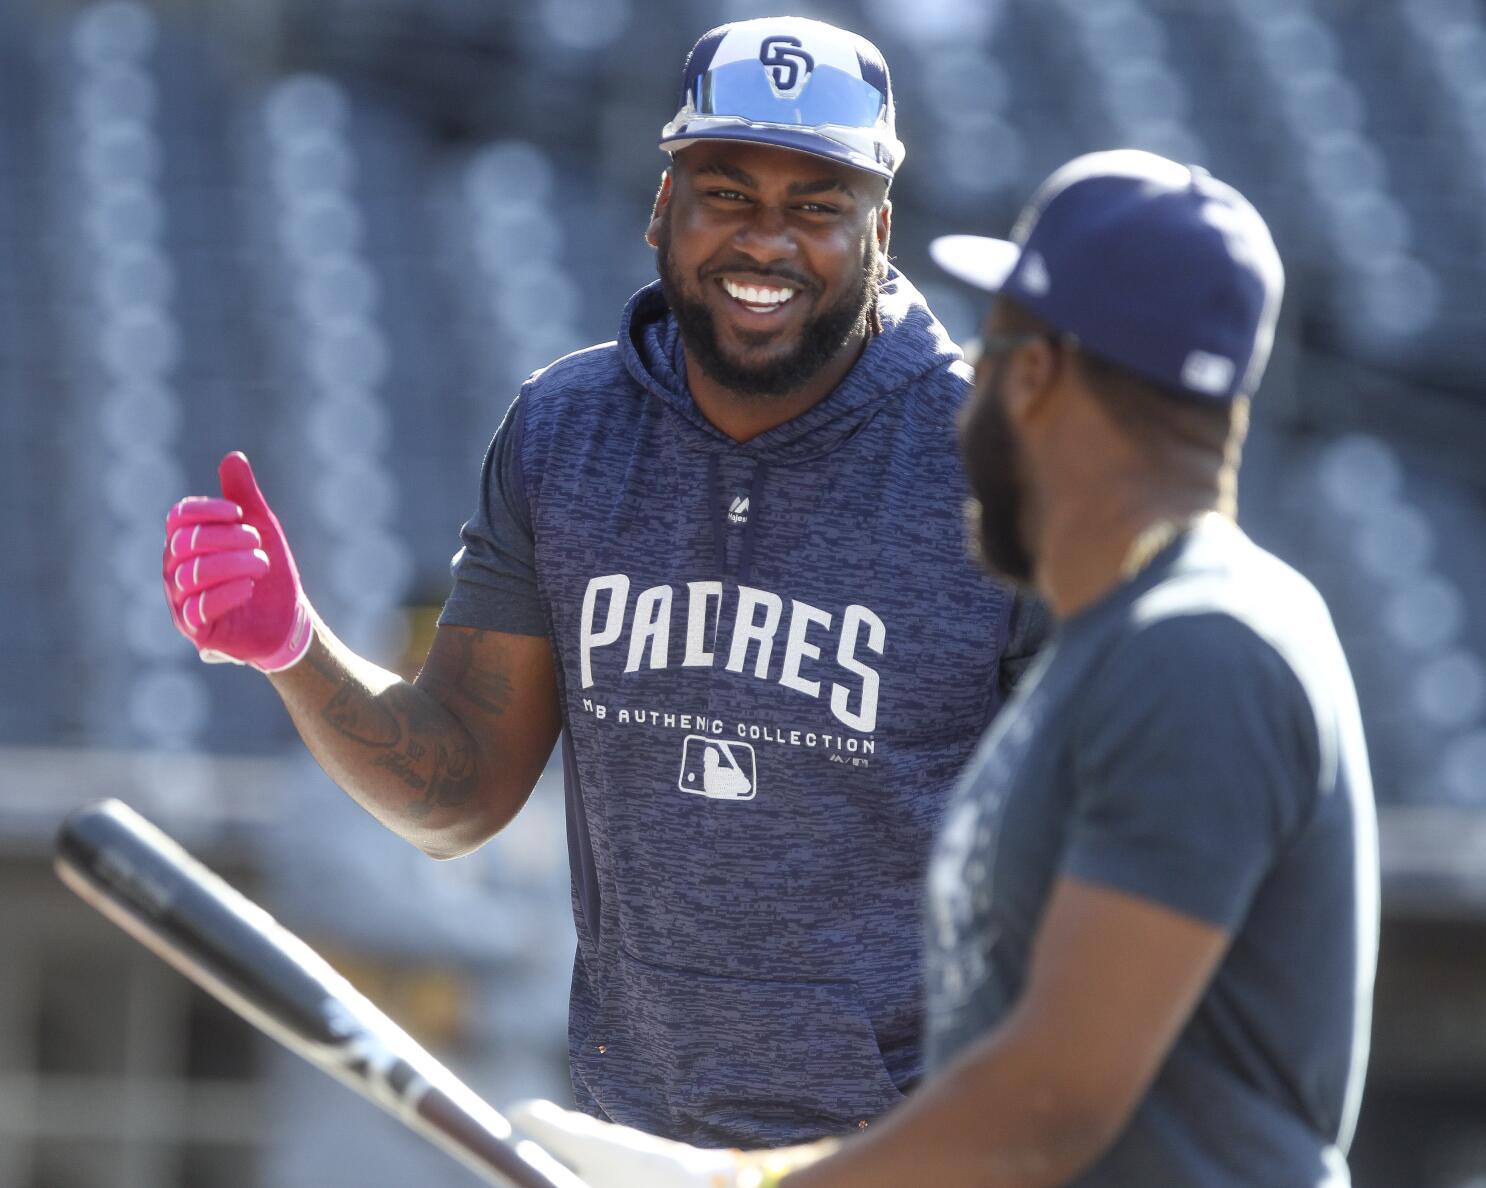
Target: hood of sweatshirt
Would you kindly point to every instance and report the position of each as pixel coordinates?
(910, 343)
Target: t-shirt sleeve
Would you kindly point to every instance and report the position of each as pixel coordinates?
(1196, 760)
(495, 570)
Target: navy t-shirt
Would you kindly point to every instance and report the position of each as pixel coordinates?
(1193, 739)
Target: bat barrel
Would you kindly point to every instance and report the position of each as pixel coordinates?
(140, 872)
(146, 883)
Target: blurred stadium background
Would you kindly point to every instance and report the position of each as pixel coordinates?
(338, 234)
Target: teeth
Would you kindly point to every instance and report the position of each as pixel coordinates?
(754, 295)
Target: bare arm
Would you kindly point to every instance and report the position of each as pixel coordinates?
(1114, 978)
(444, 761)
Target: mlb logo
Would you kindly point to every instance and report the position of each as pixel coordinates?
(1206, 372)
(716, 769)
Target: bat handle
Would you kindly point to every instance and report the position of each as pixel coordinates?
(523, 1164)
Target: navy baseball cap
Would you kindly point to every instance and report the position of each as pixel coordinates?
(1155, 266)
(790, 82)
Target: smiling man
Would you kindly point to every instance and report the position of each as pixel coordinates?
(723, 556)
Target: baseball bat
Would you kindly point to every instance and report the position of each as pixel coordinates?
(150, 887)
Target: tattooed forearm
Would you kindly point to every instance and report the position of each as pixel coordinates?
(323, 663)
(453, 780)
(444, 760)
(416, 741)
(489, 689)
(357, 715)
(424, 719)
(462, 673)
(402, 767)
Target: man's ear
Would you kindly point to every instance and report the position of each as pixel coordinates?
(662, 200)
(884, 225)
(1031, 385)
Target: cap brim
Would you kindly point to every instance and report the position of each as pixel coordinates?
(976, 259)
(800, 142)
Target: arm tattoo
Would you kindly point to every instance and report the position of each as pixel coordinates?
(321, 663)
(355, 714)
(412, 706)
(453, 780)
(487, 688)
(402, 766)
(417, 741)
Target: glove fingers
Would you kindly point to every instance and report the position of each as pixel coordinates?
(202, 609)
(196, 539)
(547, 1121)
(202, 509)
(171, 595)
(542, 1122)
(606, 1155)
(214, 569)
(217, 601)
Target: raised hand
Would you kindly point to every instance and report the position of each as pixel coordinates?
(230, 579)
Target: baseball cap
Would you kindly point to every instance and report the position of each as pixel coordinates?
(791, 82)
(1153, 265)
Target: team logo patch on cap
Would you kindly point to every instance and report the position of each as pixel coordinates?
(787, 64)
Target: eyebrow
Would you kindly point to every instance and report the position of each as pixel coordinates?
(795, 190)
(819, 186)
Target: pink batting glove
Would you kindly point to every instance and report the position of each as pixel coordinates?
(230, 580)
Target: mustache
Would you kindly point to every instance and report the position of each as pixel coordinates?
(753, 269)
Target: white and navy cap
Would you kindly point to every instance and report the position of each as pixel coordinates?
(1153, 265)
(791, 82)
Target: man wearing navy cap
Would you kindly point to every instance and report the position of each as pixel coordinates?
(1152, 917)
(723, 555)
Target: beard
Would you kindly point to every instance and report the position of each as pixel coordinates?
(995, 516)
(821, 339)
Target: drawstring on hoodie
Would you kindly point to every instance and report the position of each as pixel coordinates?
(755, 512)
(715, 514)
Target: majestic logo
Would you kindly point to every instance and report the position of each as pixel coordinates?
(738, 511)
(711, 768)
(788, 65)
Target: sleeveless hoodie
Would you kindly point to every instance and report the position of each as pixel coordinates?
(774, 657)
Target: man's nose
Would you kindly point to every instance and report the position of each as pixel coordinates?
(767, 236)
